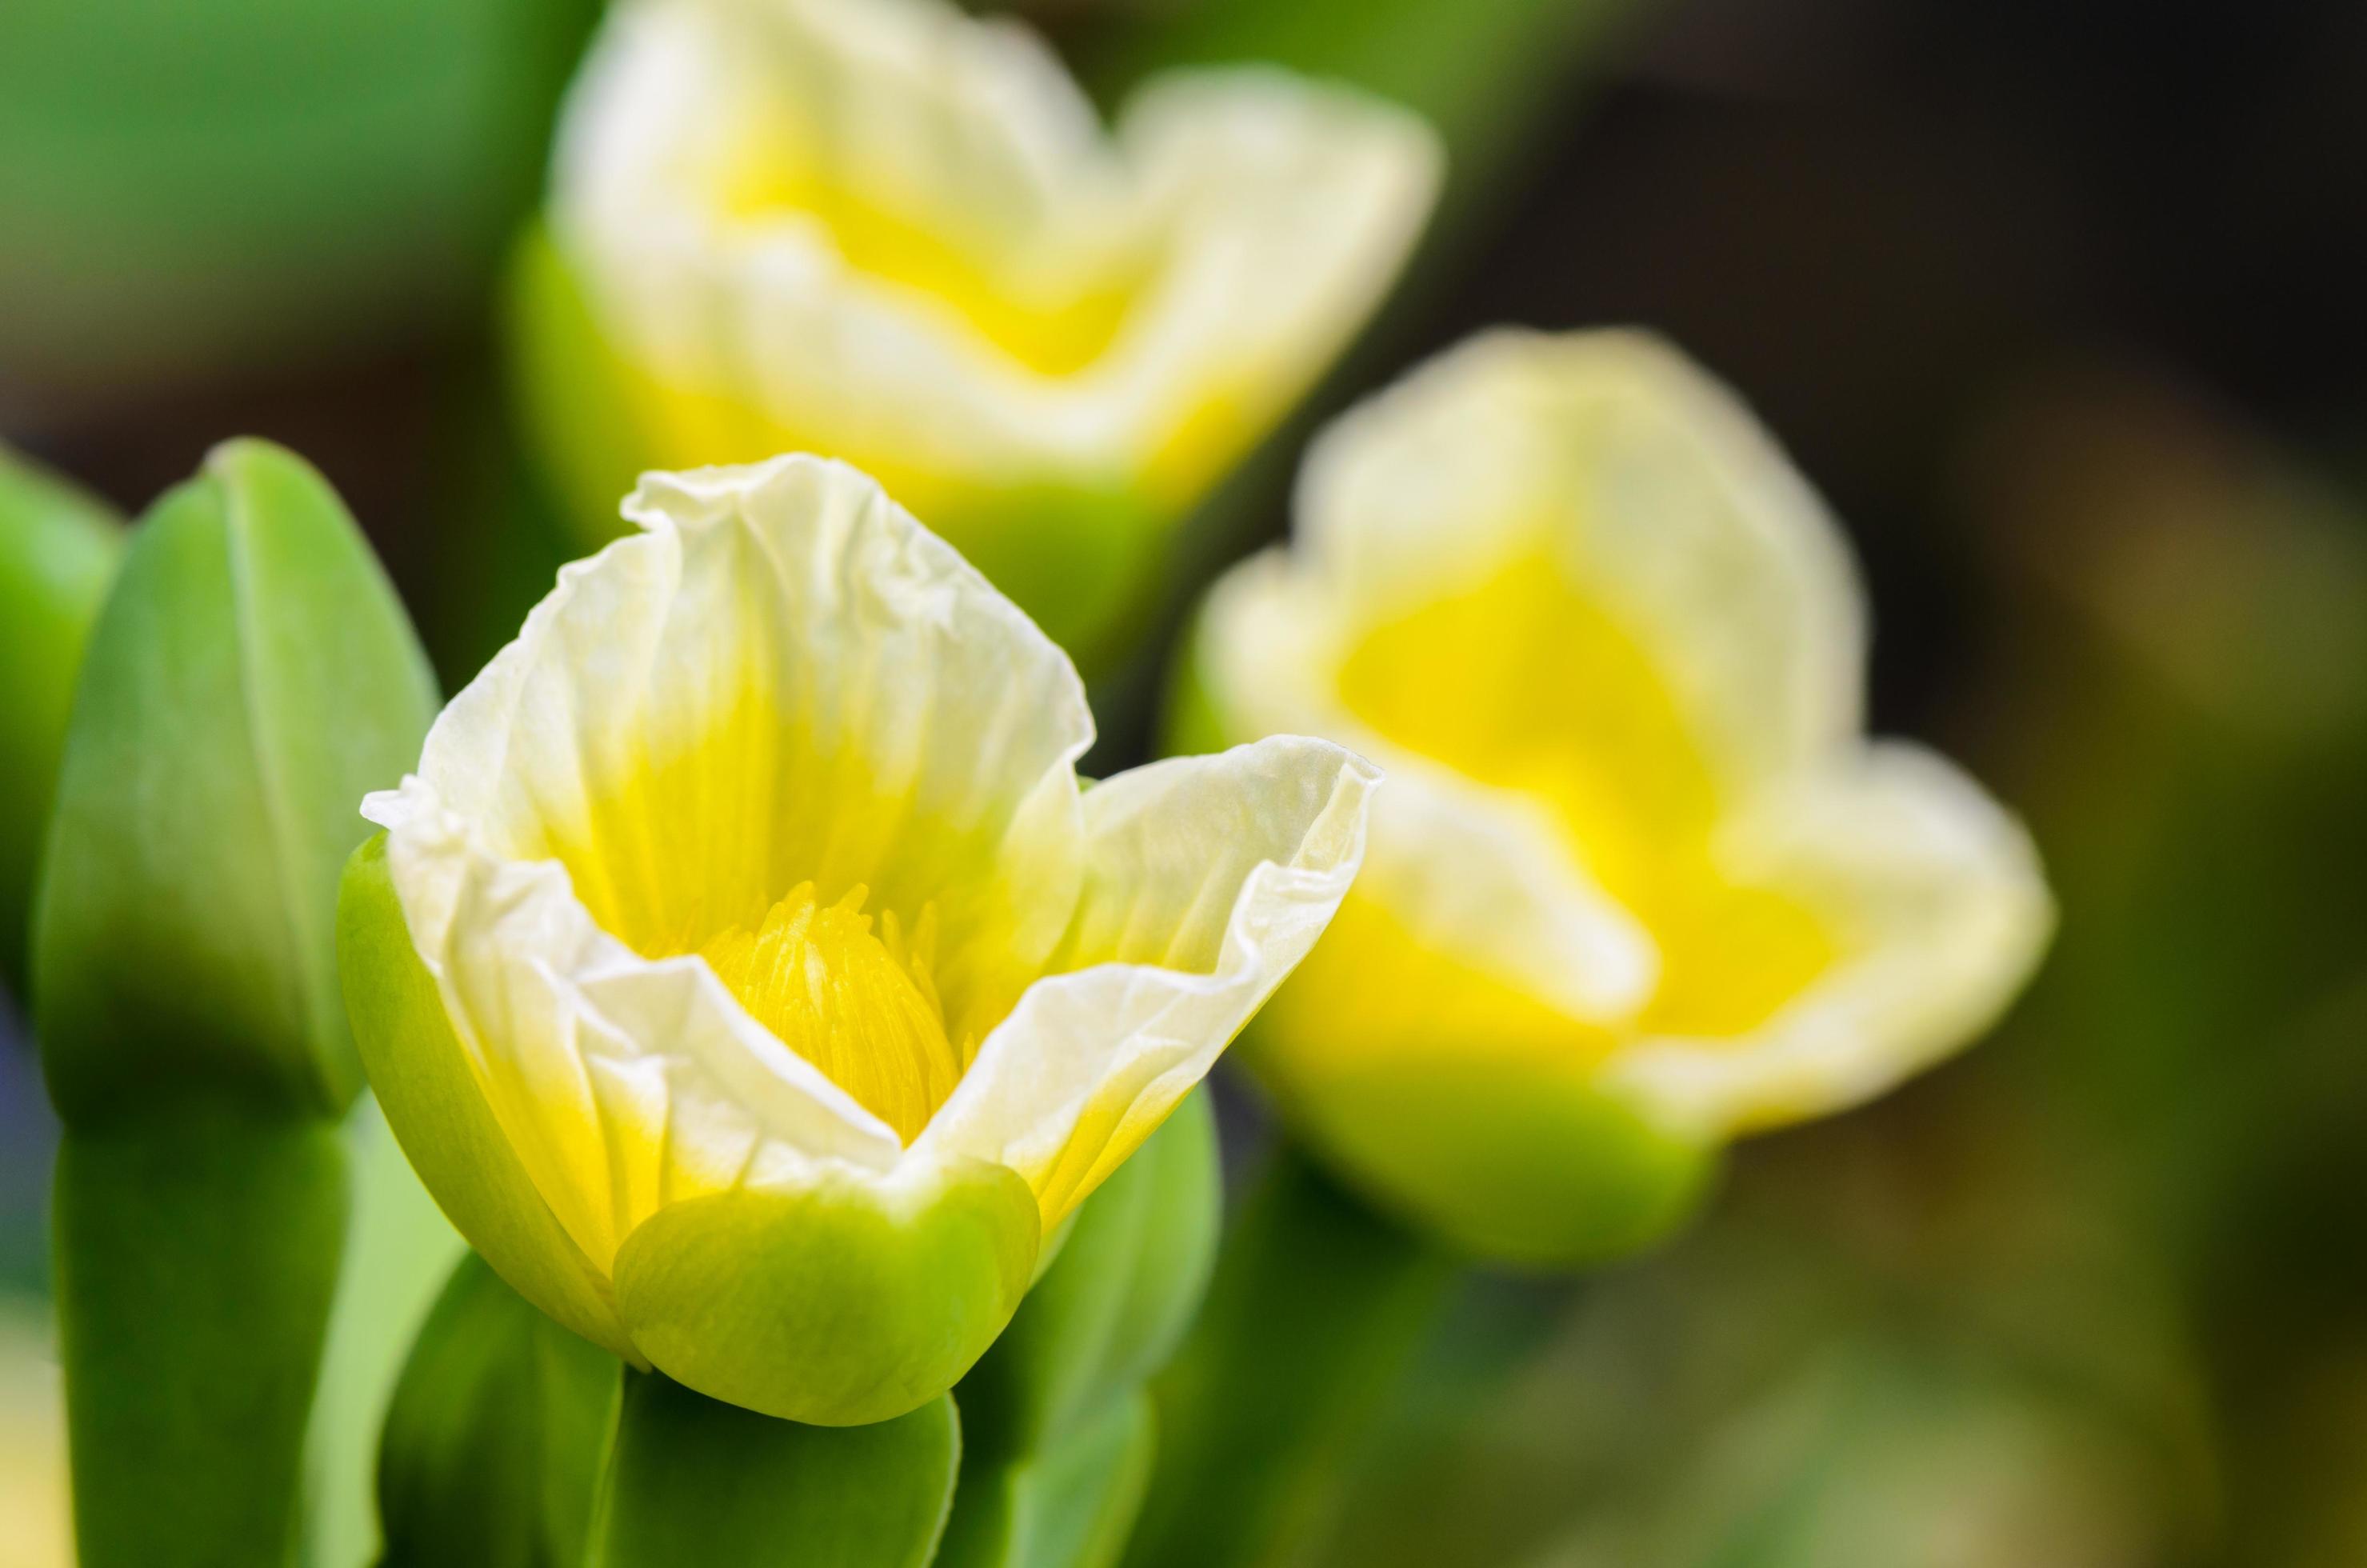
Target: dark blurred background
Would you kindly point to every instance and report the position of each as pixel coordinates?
(2061, 304)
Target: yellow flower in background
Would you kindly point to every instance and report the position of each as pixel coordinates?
(891, 234)
(1639, 883)
(747, 974)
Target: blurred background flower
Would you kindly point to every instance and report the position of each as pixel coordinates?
(2056, 303)
(893, 234)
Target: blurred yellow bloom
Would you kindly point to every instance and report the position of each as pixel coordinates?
(889, 233)
(747, 974)
(1639, 882)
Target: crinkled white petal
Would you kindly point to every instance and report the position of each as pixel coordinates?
(1482, 874)
(1209, 877)
(623, 1084)
(889, 719)
(1663, 500)
(1938, 905)
(1255, 218)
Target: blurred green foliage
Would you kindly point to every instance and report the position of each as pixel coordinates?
(195, 185)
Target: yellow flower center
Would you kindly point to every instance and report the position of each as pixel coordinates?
(861, 1005)
(1525, 682)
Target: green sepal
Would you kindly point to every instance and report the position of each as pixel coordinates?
(196, 1256)
(421, 1074)
(695, 1480)
(58, 550)
(251, 677)
(1068, 1506)
(497, 1436)
(1538, 1170)
(839, 1304)
(1115, 1303)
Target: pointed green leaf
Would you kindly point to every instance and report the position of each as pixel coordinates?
(698, 1481)
(59, 549)
(251, 676)
(498, 1432)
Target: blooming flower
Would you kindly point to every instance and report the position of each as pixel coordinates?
(1639, 883)
(750, 979)
(895, 234)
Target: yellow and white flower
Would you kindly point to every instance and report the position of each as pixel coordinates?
(889, 232)
(1639, 882)
(749, 977)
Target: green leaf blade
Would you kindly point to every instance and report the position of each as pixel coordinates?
(251, 676)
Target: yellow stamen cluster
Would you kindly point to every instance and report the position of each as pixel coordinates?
(861, 1005)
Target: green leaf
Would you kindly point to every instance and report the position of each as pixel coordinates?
(58, 550)
(196, 1256)
(399, 1253)
(251, 677)
(497, 1435)
(698, 1481)
(1112, 1307)
(1068, 1506)
(1317, 1305)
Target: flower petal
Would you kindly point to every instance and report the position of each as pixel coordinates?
(433, 1102)
(1659, 499)
(1936, 901)
(1290, 207)
(1208, 879)
(1482, 876)
(950, 277)
(785, 679)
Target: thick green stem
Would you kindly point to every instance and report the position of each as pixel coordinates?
(694, 1480)
(1318, 1304)
(197, 1257)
